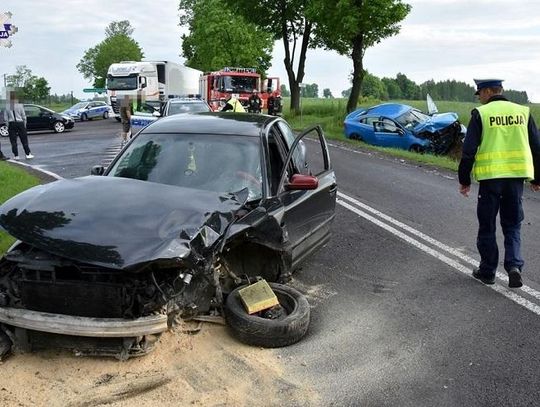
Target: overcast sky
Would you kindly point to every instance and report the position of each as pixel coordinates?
(440, 39)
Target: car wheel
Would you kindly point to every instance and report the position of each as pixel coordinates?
(4, 132)
(59, 127)
(84, 117)
(105, 115)
(259, 330)
(356, 136)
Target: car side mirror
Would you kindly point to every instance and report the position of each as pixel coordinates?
(300, 182)
(97, 170)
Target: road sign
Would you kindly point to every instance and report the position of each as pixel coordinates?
(94, 90)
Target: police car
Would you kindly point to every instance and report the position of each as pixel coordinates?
(89, 110)
(180, 105)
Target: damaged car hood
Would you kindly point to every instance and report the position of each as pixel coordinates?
(118, 223)
(436, 122)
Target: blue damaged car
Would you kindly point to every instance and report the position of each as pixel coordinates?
(401, 126)
(89, 110)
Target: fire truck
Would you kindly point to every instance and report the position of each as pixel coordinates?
(216, 87)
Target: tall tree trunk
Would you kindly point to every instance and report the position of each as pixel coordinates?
(358, 72)
(296, 79)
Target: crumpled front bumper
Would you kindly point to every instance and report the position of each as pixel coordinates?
(83, 326)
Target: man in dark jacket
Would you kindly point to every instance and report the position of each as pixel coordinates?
(502, 149)
(254, 102)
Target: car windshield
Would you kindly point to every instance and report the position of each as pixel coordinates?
(411, 118)
(122, 82)
(200, 161)
(79, 105)
(190, 107)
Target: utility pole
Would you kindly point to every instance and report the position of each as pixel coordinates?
(71, 98)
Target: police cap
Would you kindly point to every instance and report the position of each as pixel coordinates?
(487, 83)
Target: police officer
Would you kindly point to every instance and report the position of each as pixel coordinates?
(502, 148)
(233, 105)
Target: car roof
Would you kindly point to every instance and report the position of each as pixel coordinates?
(243, 124)
(391, 110)
(186, 100)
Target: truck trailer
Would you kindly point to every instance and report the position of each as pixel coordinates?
(151, 82)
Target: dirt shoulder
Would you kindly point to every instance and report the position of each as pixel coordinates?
(206, 369)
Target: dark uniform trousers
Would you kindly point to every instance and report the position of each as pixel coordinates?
(503, 196)
(17, 129)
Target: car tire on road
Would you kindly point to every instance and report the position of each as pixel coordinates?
(84, 117)
(105, 115)
(4, 130)
(269, 333)
(59, 127)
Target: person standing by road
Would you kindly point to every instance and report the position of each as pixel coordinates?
(502, 149)
(254, 102)
(15, 117)
(233, 105)
(126, 111)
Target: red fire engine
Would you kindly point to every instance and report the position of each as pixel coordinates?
(216, 87)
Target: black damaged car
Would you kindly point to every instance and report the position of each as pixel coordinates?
(193, 208)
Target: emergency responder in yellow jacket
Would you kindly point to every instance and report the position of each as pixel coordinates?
(502, 148)
(233, 105)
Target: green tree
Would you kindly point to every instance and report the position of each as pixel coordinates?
(409, 89)
(284, 91)
(327, 94)
(310, 91)
(117, 46)
(40, 89)
(373, 87)
(285, 20)
(31, 88)
(119, 27)
(218, 38)
(350, 27)
(392, 87)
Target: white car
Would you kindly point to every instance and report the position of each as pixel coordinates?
(172, 107)
(89, 110)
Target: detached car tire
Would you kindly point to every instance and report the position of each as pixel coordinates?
(269, 333)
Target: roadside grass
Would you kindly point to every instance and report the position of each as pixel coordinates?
(12, 181)
(330, 113)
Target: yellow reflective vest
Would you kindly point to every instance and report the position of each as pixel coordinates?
(504, 150)
(237, 106)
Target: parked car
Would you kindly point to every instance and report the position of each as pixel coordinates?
(89, 110)
(41, 118)
(182, 105)
(401, 126)
(196, 206)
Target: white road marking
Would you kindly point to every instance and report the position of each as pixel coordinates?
(438, 255)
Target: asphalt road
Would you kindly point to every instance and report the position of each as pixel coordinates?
(397, 320)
